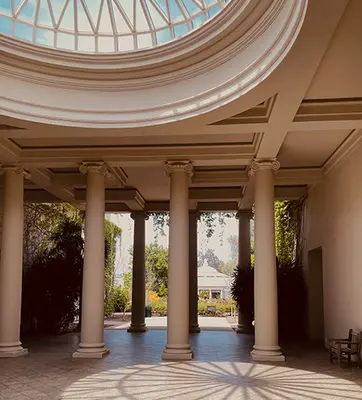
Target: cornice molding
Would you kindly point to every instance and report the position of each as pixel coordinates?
(350, 144)
(177, 166)
(210, 68)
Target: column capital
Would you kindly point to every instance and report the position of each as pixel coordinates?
(18, 168)
(140, 215)
(93, 166)
(248, 213)
(179, 166)
(264, 163)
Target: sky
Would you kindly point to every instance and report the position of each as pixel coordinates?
(218, 242)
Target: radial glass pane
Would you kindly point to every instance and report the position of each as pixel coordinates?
(103, 26)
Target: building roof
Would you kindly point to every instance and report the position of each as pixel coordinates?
(209, 277)
(104, 27)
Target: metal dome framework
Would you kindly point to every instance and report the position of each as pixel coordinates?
(104, 26)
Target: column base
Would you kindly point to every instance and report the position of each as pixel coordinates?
(91, 351)
(137, 328)
(177, 353)
(240, 329)
(194, 329)
(9, 350)
(267, 353)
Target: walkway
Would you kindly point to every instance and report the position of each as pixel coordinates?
(220, 371)
(206, 323)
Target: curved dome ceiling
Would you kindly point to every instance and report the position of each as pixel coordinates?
(104, 26)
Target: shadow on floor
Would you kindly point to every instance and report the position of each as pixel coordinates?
(221, 369)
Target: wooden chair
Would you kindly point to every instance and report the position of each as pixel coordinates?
(344, 349)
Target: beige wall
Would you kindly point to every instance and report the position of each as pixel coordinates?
(334, 221)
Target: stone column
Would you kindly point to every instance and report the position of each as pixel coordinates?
(138, 273)
(92, 330)
(178, 344)
(11, 263)
(193, 306)
(266, 346)
(244, 254)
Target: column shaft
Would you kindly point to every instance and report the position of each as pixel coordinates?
(178, 345)
(138, 274)
(266, 346)
(193, 306)
(11, 264)
(92, 330)
(244, 259)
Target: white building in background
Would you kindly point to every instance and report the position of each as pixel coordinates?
(213, 282)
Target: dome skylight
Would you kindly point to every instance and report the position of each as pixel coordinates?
(104, 26)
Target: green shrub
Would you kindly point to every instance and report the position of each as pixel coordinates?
(202, 307)
(159, 307)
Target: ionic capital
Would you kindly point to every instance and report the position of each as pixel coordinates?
(241, 213)
(260, 164)
(179, 166)
(93, 166)
(17, 168)
(140, 215)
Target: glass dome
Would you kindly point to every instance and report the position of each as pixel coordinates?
(104, 26)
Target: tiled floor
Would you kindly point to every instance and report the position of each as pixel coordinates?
(134, 370)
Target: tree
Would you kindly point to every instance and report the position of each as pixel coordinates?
(157, 268)
(52, 284)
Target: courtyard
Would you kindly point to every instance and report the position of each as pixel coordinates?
(221, 369)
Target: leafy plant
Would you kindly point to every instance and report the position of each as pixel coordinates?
(242, 292)
(52, 285)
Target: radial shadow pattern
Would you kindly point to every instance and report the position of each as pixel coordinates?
(212, 380)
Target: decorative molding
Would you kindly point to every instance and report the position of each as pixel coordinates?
(261, 164)
(227, 57)
(348, 146)
(93, 166)
(329, 110)
(179, 166)
(256, 115)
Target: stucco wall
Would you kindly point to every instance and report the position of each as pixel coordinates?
(334, 221)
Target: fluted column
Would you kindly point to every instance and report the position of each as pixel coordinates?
(266, 346)
(11, 262)
(193, 305)
(138, 273)
(92, 330)
(178, 344)
(244, 255)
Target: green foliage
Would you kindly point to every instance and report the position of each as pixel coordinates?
(159, 307)
(242, 290)
(112, 233)
(204, 294)
(41, 221)
(122, 301)
(157, 269)
(223, 307)
(52, 284)
(162, 291)
(288, 220)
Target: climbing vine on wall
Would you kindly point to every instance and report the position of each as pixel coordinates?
(288, 230)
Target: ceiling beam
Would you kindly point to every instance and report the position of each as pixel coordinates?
(302, 63)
